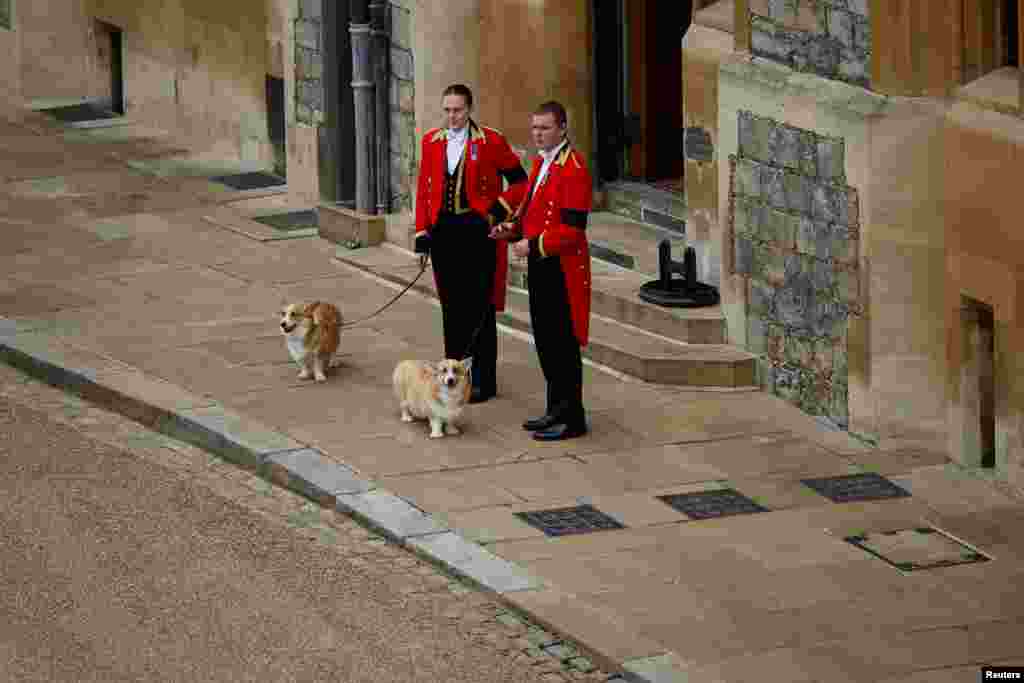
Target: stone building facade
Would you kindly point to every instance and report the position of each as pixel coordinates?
(859, 197)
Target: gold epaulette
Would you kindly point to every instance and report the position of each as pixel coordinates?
(564, 156)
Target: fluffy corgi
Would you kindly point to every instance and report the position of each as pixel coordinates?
(312, 333)
(436, 392)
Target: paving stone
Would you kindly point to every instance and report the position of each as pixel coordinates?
(229, 434)
(390, 514)
(315, 476)
(663, 668)
(476, 563)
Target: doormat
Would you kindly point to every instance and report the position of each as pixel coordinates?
(293, 220)
(711, 504)
(582, 519)
(80, 113)
(851, 488)
(255, 180)
(915, 549)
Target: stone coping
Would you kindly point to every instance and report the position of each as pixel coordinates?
(850, 100)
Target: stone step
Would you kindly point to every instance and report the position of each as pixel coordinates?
(622, 347)
(646, 204)
(615, 295)
(649, 357)
(630, 244)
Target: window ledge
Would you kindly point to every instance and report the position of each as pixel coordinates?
(998, 91)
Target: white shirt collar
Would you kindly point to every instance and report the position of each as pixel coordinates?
(549, 156)
(458, 135)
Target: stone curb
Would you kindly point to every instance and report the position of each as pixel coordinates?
(172, 411)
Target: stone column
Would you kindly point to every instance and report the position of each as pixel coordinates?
(363, 95)
(381, 35)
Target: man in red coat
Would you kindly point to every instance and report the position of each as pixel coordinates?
(553, 222)
(459, 199)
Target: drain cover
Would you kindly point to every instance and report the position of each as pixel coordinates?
(78, 113)
(710, 504)
(294, 220)
(249, 181)
(581, 519)
(855, 487)
(914, 549)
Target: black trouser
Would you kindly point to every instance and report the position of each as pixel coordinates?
(465, 259)
(557, 346)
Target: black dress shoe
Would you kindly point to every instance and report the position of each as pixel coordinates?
(536, 423)
(559, 432)
(479, 396)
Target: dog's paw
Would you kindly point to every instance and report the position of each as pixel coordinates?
(304, 374)
(407, 418)
(452, 430)
(321, 378)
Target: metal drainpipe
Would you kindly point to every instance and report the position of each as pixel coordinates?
(363, 96)
(380, 13)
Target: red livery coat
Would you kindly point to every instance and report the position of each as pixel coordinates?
(486, 160)
(555, 222)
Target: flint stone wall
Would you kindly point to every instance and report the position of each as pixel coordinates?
(831, 38)
(795, 237)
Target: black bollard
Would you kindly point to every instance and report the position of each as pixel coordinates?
(678, 293)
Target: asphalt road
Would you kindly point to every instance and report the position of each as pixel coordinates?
(125, 556)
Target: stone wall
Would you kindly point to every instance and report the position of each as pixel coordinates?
(309, 61)
(404, 145)
(795, 237)
(831, 38)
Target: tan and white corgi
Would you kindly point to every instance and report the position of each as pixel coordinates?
(436, 392)
(312, 333)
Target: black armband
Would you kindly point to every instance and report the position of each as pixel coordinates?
(514, 175)
(575, 217)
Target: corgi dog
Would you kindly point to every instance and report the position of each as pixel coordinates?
(436, 392)
(312, 334)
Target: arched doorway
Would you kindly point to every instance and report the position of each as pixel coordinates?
(638, 90)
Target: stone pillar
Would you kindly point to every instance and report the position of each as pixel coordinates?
(381, 35)
(363, 96)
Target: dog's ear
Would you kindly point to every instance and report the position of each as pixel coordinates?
(468, 363)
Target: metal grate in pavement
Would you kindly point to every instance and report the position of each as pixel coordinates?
(249, 181)
(915, 549)
(581, 519)
(293, 220)
(850, 488)
(79, 113)
(711, 504)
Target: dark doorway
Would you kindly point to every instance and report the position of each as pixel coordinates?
(639, 89)
(110, 46)
(117, 70)
(337, 135)
(978, 380)
(1011, 33)
(276, 123)
(608, 88)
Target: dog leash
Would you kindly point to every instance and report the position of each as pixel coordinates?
(423, 268)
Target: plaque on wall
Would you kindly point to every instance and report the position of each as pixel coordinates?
(697, 144)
